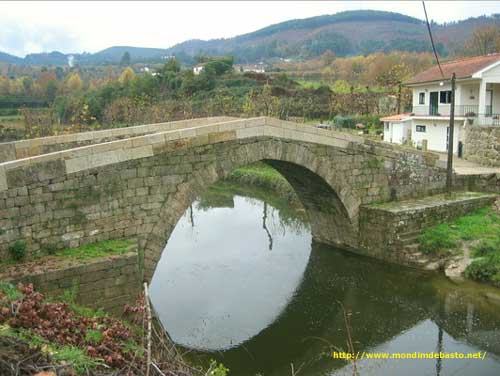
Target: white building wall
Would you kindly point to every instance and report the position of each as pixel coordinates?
(492, 75)
(435, 134)
(397, 131)
(419, 109)
(469, 94)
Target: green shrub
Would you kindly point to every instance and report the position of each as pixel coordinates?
(486, 247)
(482, 270)
(436, 240)
(49, 249)
(93, 336)
(17, 250)
(217, 369)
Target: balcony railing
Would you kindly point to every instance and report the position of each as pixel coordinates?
(487, 119)
(444, 110)
(471, 112)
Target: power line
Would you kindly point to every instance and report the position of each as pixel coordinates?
(432, 39)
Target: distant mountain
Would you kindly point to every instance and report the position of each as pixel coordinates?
(345, 33)
(46, 58)
(111, 55)
(115, 54)
(10, 59)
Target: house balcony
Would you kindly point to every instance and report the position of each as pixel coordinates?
(444, 110)
(469, 112)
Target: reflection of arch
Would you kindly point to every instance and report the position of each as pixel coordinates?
(330, 201)
(309, 316)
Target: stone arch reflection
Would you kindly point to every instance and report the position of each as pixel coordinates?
(217, 285)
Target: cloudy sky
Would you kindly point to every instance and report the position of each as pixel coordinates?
(28, 27)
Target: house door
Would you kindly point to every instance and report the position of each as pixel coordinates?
(489, 102)
(433, 103)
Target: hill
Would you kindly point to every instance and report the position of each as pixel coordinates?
(345, 33)
(10, 59)
(115, 53)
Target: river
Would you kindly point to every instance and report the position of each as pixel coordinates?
(242, 281)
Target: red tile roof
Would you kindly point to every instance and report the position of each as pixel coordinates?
(463, 68)
(395, 117)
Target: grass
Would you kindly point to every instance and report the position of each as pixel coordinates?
(96, 250)
(69, 355)
(486, 264)
(483, 224)
(85, 252)
(481, 227)
(76, 357)
(10, 291)
(262, 175)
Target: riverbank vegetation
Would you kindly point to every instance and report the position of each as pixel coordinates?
(56, 336)
(479, 232)
(49, 253)
(259, 181)
(262, 175)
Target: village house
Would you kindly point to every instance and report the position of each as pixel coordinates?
(197, 69)
(256, 68)
(477, 102)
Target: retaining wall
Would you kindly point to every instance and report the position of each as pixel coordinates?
(482, 145)
(107, 283)
(383, 227)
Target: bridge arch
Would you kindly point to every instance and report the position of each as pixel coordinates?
(324, 190)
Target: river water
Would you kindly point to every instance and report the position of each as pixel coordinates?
(242, 281)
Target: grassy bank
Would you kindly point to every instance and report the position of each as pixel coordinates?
(480, 232)
(18, 251)
(264, 176)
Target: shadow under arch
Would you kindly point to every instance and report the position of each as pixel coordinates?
(324, 191)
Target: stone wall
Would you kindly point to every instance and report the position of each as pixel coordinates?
(478, 183)
(384, 229)
(107, 283)
(482, 145)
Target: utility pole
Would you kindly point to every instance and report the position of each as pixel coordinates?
(399, 98)
(449, 166)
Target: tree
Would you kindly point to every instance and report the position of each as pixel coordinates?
(127, 76)
(172, 65)
(484, 40)
(73, 83)
(125, 61)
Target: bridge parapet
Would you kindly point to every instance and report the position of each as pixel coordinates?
(10, 151)
(23, 171)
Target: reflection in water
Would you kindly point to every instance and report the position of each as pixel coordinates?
(218, 287)
(217, 300)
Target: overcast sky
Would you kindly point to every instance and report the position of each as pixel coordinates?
(28, 27)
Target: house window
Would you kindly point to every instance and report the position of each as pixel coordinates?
(421, 128)
(421, 98)
(445, 96)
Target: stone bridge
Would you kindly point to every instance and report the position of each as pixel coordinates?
(137, 182)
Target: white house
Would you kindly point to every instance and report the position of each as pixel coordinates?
(477, 101)
(197, 69)
(256, 68)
